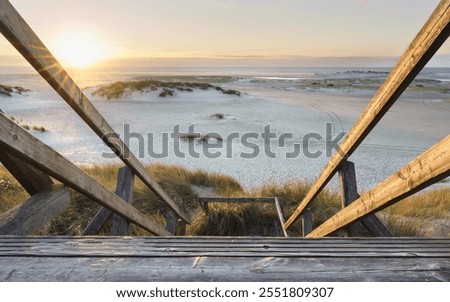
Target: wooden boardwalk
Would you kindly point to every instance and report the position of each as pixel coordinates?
(223, 259)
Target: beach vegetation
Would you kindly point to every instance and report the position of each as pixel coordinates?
(165, 92)
(232, 92)
(418, 215)
(218, 116)
(40, 129)
(120, 89)
(201, 137)
(7, 90)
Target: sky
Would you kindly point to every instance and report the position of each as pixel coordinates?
(229, 28)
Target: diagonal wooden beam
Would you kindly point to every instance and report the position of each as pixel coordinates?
(22, 37)
(97, 222)
(25, 146)
(31, 179)
(433, 34)
(119, 225)
(429, 167)
(34, 213)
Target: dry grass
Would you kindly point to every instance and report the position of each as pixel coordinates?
(420, 214)
(406, 218)
(11, 193)
(432, 204)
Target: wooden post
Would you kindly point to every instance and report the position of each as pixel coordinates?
(349, 193)
(429, 167)
(25, 146)
(22, 37)
(421, 50)
(171, 222)
(124, 189)
(181, 228)
(280, 217)
(375, 226)
(97, 222)
(34, 213)
(119, 225)
(307, 222)
(31, 179)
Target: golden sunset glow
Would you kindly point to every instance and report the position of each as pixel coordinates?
(80, 49)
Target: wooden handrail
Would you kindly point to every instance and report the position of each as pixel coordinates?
(22, 37)
(17, 141)
(431, 166)
(433, 34)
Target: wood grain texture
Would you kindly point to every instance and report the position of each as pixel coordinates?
(124, 189)
(98, 221)
(430, 38)
(31, 179)
(349, 193)
(25, 146)
(30, 216)
(429, 167)
(22, 37)
(375, 226)
(222, 259)
(307, 222)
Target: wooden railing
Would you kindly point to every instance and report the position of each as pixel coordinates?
(428, 168)
(30, 153)
(32, 162)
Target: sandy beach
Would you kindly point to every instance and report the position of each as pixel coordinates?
(414, 123)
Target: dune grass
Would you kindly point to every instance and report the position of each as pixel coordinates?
(201, 138)
(119, 89)
(410, 217)
(10, 90)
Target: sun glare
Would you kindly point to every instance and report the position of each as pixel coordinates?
(79, 49)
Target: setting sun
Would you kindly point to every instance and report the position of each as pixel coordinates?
(80, 49)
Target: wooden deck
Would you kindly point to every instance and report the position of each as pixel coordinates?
(223, 259)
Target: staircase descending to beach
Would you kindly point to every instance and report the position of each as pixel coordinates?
(169, 255)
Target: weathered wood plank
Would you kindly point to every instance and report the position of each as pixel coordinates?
(124, 189)
(31, 179)
(119, 247)
(34, 213)
(22, 37)
(207, 269)
(97, 222)
(171, 222)
(280, 217)
(388, 241)
(375, 226)
(182, 247)
(28, 148)
(181, 228)
(349, 193)
(429, 167)
(307, 222)
(139, 259)
(430, 38)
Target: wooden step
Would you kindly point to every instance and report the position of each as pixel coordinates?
(223, 259)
